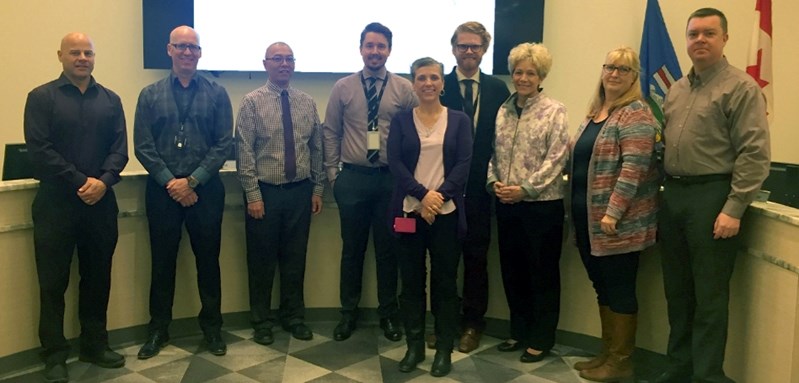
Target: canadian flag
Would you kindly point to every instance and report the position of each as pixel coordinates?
(759, 60)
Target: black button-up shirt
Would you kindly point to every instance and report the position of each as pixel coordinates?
(72, 135)
(207, 129)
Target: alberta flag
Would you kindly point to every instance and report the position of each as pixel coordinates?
(659, 65)
(759, 63)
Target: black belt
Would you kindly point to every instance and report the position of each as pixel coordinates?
(290, 185)
(692, 180)
(366, 169)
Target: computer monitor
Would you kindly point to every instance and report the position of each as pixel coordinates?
(17, 164)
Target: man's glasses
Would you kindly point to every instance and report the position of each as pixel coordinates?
(608, 68)
(191, 47)
(465, 47)
(281, 59)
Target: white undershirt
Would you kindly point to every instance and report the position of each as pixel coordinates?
(430, 166)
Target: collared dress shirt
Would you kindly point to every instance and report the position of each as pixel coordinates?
(260, 142)
(208, 129)
(716, 124)
(72, 135)
(345, 128)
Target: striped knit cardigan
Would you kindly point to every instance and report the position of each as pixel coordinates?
(623, 181)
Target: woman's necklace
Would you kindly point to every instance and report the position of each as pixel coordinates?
(428, 121)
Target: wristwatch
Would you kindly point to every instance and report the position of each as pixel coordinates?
(193, 182)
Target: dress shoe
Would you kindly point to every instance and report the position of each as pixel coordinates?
(155, 342)
(216, 345)
(105, 358)
(299, 331)
(470, 340)
(527, 357)
(430, 341)
(263, 336)
(391, 329)
(413, 356)
(56, 372)
(508, 346)
(673, 376)
(442, 363)
(344, 329)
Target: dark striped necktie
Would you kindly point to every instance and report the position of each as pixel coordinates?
(373, 105)
(288, 138)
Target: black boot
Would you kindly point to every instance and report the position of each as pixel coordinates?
(442, 363)
(413, 356)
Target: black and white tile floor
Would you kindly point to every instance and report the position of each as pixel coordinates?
(367, 357)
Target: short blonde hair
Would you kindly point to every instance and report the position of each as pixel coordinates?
(622, 55)
(536, 53)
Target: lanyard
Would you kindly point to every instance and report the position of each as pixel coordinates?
(183, 113)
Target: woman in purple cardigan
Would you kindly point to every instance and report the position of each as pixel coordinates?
(429, 152)
(614, 187)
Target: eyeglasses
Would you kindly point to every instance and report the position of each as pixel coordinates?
(281, 59)
(182, 47)
(464, 47)
(608, 68)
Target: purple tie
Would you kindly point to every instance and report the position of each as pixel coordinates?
(288, 137)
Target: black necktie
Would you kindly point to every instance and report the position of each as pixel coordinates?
(288, 138)
(468, 99)
(373, 104)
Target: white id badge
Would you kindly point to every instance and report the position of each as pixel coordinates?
(373, 140)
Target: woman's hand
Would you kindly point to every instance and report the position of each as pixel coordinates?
(608, 225)
(510, 194)
(428, 217)
(432, 202)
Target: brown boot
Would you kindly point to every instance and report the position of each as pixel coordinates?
(619, 364)
(603, 354)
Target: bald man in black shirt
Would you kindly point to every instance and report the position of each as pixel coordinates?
(77, 142)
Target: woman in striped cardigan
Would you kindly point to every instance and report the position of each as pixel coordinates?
(613, 188)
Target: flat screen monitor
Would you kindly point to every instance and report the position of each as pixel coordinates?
(324, 34)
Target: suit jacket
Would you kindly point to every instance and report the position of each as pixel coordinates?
(493, 92)
(403, 155)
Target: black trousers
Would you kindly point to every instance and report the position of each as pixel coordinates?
(203, 222)
(696, 276)
(613, 276)
(363, 197)
(530, 241)
(62, 222)
(441, 240)
(279, 238)
(475, 259)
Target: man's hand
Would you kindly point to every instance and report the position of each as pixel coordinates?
(316, 204)
(92, 191)
(256, 209)
(726, 226)
(178, 188)
(189, 199)
(608, 225)
(432, 202)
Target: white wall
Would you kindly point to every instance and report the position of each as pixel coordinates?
(577, 32)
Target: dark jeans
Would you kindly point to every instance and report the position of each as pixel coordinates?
(203, 222)
(280, 237)
(363, 196)
(62, 222)
(441, 240)
(530, 240)
(696, 276)
(475, 259)
(613, 276)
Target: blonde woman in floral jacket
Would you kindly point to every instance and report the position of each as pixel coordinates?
(525, 174)
(614, 188)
